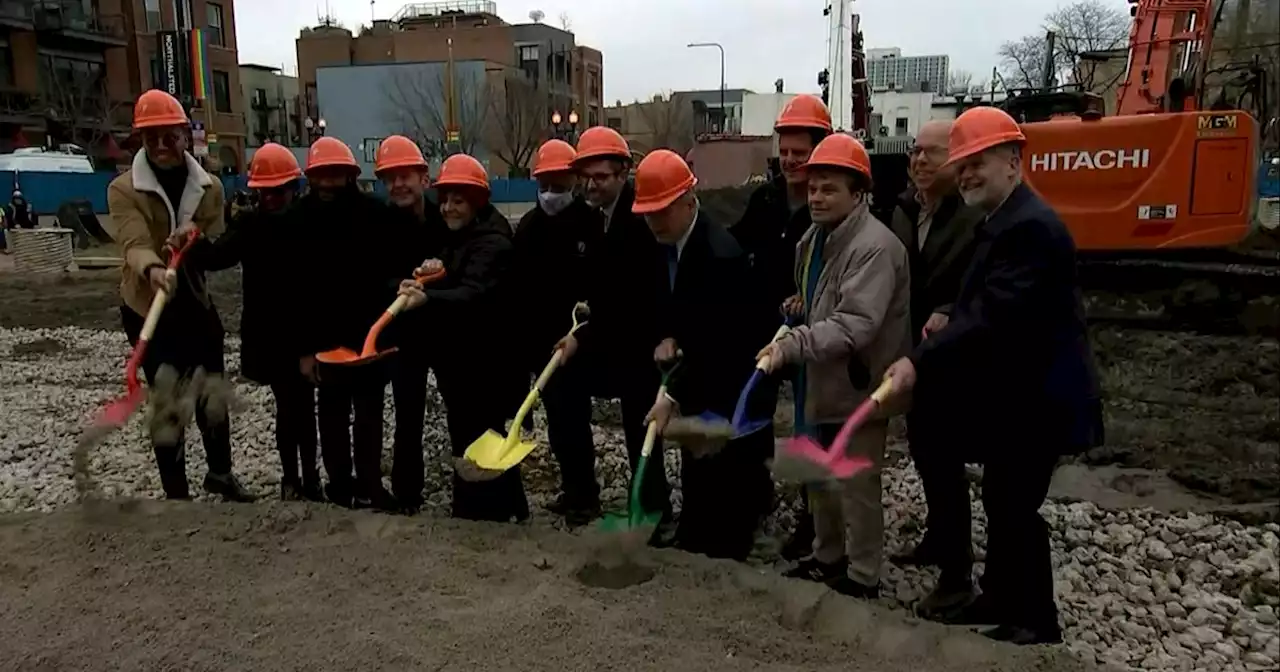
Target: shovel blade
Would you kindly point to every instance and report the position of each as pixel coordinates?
(640, 522)
(805, 460)
(339, 356)
(492, 451)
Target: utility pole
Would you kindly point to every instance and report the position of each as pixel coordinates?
(1050, 42)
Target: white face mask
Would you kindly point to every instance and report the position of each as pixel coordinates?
(553, 203)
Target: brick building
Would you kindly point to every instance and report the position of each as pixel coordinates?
(71, 69)
(571, 76)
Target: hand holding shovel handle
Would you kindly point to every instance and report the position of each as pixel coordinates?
(766, 362)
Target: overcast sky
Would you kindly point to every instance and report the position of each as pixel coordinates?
(643, 41)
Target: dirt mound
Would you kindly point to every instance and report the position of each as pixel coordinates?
(147, 585)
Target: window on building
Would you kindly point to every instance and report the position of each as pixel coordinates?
(594, 86)
(6, 66)
(529, 61)
(260, 98)
(221, 91)
(182, 14)
(900, 126)
(153, 15)
(214, 18)
(593, 116)
(615, 123)
(529, 52)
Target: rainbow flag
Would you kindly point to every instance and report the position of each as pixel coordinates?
(200, 75)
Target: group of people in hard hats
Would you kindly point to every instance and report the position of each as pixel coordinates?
(966, 303)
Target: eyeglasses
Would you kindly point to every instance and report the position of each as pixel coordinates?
(168, 137)
(600, 177)
(931, 152)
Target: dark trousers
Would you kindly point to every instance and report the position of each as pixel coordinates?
(1019, 571)
(409, 392)
(186, 347)
(948, 530)
(568, 403)
(296, 430)
(471, 410)
(726, 496)
(345, 442)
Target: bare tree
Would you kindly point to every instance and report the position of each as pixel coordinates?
(1082, 27)
(669, 120)
(417, 102)
(77, 106)
(959, 81)
(566, 22)
(1244, 68)
(519, 113)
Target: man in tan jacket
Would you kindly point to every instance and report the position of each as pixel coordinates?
(166, 193)
(855, 300)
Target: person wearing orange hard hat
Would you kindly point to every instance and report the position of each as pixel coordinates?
(164, 198)
(351, 235)
(465, 316)
(776, 217)
(1017, 342)
(700, 279)
(557, 242)
(403, 170)
(617, 345)
(855, 320)
(261, 240)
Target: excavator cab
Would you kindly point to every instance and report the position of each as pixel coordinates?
(1029, 106)
(1148, 181)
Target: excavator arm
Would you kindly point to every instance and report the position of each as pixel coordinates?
(1170, 43)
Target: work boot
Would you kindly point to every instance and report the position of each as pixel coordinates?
(813, 569)
(228, 487)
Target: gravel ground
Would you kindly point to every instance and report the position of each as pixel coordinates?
(1139, 588)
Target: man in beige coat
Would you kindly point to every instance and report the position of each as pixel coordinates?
(163, 195)
(855, 300)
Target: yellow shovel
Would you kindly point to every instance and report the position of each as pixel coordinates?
(492, 454)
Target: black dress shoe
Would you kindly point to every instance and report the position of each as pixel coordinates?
(981, 611)
(377, 500)
(290, 492)
(1024, 636)
(946, 598)
(813, 569)
(338, 495)
(801, 542)
(857, 590)
(228, 487)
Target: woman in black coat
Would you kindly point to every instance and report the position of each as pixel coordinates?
(463, 320)
(261, 241)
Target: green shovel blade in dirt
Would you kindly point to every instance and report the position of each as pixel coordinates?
(636, 519)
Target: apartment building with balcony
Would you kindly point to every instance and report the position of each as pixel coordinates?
(273, 112)
(62, 74)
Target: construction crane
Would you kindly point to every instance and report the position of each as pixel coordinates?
(844, 81)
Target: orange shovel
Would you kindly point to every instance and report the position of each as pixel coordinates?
(369, 353)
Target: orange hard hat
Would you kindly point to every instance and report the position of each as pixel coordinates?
(661, 178)
(805, 111)
(398, 151)
(602, 142)
(461, 170)
(157, 108)
(272, 166)
(980, 129)
(554, 156)
(841, 150)
(329, 151)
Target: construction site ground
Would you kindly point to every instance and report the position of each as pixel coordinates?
(1192, 422)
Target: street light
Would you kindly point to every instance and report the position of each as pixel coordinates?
(564, 131)
(724, 112)
(311, 125)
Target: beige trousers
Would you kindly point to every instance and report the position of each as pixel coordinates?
(848, 517)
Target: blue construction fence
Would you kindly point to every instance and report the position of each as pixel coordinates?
(48, 191)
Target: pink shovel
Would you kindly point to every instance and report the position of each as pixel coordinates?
(804, 460)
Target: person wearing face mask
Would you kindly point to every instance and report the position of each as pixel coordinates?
(348, 233)
(856, 306)
(420, 233)
(1016, 341)
(163, 196)
(555, 243)
(19, 212)
(260, 240)
(937, 228)
(465, 318)
(776, 217)
(617, 346)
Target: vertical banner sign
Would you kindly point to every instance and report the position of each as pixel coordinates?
(173, 58)
(201, 86)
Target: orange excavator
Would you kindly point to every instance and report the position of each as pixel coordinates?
(1164, 172)
(1162, 194)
